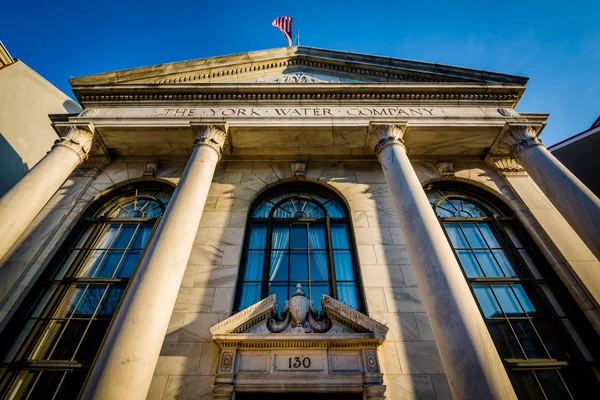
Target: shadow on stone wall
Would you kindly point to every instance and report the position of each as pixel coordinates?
(12, 167)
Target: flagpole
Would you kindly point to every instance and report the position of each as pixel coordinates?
(297, 38)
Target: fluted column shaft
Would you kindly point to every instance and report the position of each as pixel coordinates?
(127, 360)
(20, 205)
(577, 203)
(472, 364)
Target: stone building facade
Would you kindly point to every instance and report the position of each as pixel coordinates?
(434, 248)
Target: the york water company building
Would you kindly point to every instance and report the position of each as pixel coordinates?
(299, 221)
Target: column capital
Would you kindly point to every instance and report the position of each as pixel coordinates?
(519, 137)
(384, 135)
(77, 138)
(212, 136)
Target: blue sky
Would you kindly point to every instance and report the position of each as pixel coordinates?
(556, 44)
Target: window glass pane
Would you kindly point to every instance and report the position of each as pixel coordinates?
(279, 266)
(524, 299)
(110, 301)
(50, 332)
(528, 339)
(547, 339)
(153, 210)
(509, 302)
(339, 236)
(109, 263)
(69, 301)
(106, 237)
(250, 294)
(90, 264)
(444, 212)
(505, 340)
(92, 340)
(263, 210)
(487, 301)
(552, 385)
(258, 236)
(281, 292)
(316, 292)
(299, 237)
(124, 236)
(347, 294)
(255, 262)
(316, 213)
(488, 263)
(342, 261)
(66, 263)
(89, 301)
(513, 236)
(316, 233)
(285, 210)
(69, 340)
(473, 236)
(128, 263)
(281, 237)
(504, 263)
(299, 265)
(23, 384)
(318, 265)
(456, 236)
(71, 385)
(46, 384)
(489, 236)
(334, 210)
(141, 236)
(525, 254)
(526, 385)
(469, 263)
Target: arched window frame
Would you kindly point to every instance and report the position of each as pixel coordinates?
(544, 288)
(18, 340)
(290, 187)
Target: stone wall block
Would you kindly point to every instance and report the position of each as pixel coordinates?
(404, 299)
(391, 254)
(406, 387)
(206, 255)
(216, 276)
(178, 358)
(420, 358)
(402, 326)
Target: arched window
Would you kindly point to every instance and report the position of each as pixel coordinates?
(298, 233)
(519, 296)
(55, 335)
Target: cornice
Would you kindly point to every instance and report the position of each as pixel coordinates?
(436, 92)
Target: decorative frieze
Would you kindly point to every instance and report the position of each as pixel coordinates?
(212, 136)
(299, 95)
(517, 138)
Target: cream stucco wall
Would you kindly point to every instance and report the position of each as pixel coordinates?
(409, 357)
(26, 135)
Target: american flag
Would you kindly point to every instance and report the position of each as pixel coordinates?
(285, 25)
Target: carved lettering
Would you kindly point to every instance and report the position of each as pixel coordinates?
(300, 112)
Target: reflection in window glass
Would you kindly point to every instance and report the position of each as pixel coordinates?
(70, 319)
(307, 241)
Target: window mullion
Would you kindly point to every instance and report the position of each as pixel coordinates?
(264, 290)
(332, 280)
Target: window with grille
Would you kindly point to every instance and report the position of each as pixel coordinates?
(298, 233)
(67, 315)
(532, 334)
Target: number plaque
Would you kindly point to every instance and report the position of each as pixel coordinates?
(299, 362)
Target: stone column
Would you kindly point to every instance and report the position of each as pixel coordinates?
(577, 203)
(20, 205)
(472, 364)
(127, 360)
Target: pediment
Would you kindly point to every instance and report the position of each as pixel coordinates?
(342, 320)
(296, 65)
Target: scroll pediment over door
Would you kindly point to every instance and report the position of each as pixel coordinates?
(299, 351)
